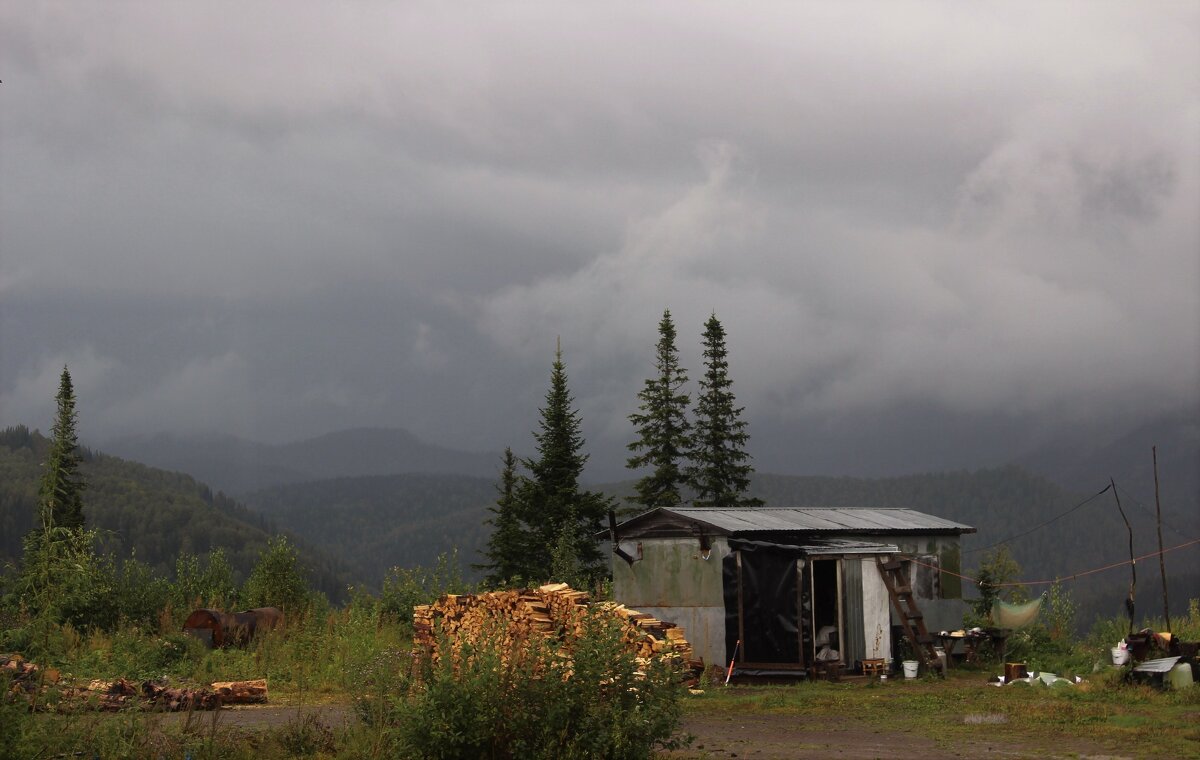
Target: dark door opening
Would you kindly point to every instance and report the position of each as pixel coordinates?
(827, 638)
(765, 598)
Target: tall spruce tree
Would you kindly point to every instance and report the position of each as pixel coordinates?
(508, 543)
(720, 467)
(551, 504)
(663, 430)
(60, 495)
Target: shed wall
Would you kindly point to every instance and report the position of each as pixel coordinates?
(876, 606)
(674, 582)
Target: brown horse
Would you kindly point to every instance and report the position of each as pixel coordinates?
(243, 626)
(222, 629)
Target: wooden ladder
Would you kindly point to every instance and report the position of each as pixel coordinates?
(892, 572)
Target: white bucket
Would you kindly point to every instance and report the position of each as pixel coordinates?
(910, 668)
(1180, 676)
(1120, 655)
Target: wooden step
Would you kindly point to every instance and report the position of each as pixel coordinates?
(893, 565)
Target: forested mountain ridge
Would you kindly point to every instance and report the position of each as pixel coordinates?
(238, 466)
(1128, 459)
(145, 512)
(375, 522)
(378, 522)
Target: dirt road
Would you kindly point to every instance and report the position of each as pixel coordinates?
(769, 736)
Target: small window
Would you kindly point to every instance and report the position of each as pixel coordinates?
(924, 576)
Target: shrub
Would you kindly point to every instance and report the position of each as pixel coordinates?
(277, 579)
(579, 697)
(404, 588)
(213, 586)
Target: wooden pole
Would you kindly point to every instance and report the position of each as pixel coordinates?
(1129, 606)
(1162, 562)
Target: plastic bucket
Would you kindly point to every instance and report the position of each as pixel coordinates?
(1181, 676)
(910, 668)
(1120, 655)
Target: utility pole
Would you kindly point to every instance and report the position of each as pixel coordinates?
(1162, 562)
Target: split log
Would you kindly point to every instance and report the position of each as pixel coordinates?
(241, 692)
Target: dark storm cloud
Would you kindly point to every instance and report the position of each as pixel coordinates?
(279, 221)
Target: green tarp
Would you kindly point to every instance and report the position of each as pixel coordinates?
(1007, 615)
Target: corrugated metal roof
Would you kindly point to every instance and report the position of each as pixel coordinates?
(826, 546)
(818, 519)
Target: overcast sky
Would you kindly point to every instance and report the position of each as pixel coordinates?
(936, 233)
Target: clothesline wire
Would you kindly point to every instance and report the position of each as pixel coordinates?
(1071, 577)
(1039, 527)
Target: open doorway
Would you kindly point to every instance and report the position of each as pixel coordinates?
(826, 594)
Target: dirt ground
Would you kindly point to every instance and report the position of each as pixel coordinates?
(756, 737)
(781, 737)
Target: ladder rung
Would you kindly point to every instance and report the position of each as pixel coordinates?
(924, 638)
(893, 565)
(903, 589)
(914, 615)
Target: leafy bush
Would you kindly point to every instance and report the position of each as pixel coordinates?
(574, 698)
(140, 594)
(211, 586)
(277, 580)
(405, 588)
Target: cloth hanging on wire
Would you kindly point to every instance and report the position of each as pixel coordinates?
(1008, 615)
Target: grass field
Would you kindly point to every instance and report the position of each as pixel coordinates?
(960, 715)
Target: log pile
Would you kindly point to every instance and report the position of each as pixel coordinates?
(29, 683)
(554, 610)
(111, 696)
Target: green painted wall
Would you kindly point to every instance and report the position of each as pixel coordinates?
(671, 573)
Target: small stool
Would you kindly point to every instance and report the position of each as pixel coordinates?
(873, 667)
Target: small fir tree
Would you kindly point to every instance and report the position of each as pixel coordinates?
(507, 544)
(60, 495)
(663, 430)
(550, 499)
(720, 467)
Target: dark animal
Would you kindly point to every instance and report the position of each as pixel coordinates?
(244, 626)
(222, 629)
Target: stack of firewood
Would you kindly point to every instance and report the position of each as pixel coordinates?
(510, 618)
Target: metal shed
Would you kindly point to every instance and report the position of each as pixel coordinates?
(795, 586)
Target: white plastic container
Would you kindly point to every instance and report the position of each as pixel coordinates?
(910, 668)
(1181, 676)
(1120, 655)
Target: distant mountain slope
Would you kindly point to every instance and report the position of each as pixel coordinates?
(238, 466)
(1128, 460)
(1006, 503)
(378, 522)
(154, 513)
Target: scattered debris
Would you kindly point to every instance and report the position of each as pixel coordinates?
(1030, 679)
(992, 719)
